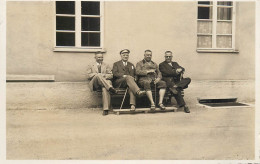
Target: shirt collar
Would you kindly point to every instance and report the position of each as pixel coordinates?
(124, 63)
(98, 63)
(144, 61)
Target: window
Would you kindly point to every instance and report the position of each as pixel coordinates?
(78, 25)
(216, 26)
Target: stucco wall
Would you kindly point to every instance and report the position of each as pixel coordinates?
(158, 26)
(75, 95)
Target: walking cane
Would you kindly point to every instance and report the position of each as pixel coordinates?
(155, 94)
(123, 98)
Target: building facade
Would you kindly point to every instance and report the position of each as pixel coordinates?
(212, 40)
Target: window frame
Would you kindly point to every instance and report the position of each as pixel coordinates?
(214, 34)
(78, 16)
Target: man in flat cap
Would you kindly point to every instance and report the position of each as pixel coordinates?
(100, 76)
(150, 75)
(172, 74)
(124, 76)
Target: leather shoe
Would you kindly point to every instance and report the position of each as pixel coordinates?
(162, 107)
(140, 93)
(186, 109)
(112, 90)
(132, 108)
(105, 112)
(153, 108)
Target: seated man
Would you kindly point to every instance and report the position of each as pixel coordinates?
(100, 74)
(172, 75)
(149, 74)
(124, 76)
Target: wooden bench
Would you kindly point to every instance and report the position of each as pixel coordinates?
(142, 102)
(145, 110)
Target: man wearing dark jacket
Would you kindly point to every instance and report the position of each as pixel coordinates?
(124, 76)
(172, 74)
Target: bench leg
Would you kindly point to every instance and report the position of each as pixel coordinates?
(117, 113)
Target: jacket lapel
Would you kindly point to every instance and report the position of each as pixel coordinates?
(168, 65)
(103, 68)
(95, 68)
(122, 65)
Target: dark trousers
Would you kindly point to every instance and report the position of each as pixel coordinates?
(182, 84)
(130, 82)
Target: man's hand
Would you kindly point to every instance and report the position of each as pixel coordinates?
(150, 71)
(102, 74)
(178, 70)
(156, 80)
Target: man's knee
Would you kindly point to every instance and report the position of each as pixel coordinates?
(129, 78)
(147, 85)
(97, 77)
(162, 84)
(109, 82)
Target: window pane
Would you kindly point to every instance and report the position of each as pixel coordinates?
(204, 42)
(205, 2)
(65, 39)
(224, 27)
(225, 3)
(65, 23)
(224, 13)
(65, 7)
(204, 13)
(224, 41)
(204, 27)
(90, 39)
(90, 24)
(90, 8)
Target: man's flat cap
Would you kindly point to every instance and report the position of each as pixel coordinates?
(124, 51)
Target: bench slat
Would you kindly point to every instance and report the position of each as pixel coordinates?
(145, 109)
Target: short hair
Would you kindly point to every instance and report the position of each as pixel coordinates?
(168, 52)
(98, 52)
(147, 51)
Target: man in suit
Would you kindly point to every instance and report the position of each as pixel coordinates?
(100, 76)
(172, 74)
(149, 74)
(124, 76)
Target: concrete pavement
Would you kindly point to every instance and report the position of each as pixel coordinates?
(223, 134)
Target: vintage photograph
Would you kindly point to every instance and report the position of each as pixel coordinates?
(130, 80)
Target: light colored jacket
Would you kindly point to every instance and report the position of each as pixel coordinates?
(92, 70)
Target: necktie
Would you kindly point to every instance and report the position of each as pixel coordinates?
(99, 68)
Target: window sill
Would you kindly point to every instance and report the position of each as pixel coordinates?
(217, 51)
(73, 49)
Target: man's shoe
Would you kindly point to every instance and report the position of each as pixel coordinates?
(186, 109)
(162, 107)
(132, 108)
(105, 112)
(152, 108)
(140, 93)
(173, 90)
(112, 90)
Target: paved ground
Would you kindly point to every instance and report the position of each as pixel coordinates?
(86, 134)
